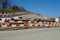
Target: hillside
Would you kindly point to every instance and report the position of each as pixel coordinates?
(24, 15)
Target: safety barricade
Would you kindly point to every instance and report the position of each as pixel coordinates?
(32, 24)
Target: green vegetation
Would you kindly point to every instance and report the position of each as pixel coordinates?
(13, 9)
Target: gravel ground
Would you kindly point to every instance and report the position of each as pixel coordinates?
(31, 34)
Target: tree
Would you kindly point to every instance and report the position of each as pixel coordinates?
(4, 3)
(5, 6)
(15, 7)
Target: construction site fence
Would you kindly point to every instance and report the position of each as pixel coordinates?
(25, 23)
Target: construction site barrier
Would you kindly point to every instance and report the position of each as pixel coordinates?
(32, 24)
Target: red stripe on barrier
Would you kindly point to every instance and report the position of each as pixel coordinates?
(24, 20)
(7, 20)
(0, 26)
(38, 24)
(9, 25)
(15, 20)
(17, 25)
(32, 21)
(26, 24)
(58, 23)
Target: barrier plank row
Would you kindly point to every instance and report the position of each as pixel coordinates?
(41, 24)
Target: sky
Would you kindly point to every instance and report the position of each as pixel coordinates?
(46, 7)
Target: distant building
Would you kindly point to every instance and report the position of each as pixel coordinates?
(56, 19)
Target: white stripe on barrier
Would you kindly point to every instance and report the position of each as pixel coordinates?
(22, 25)
(51, 25)
(12, 21)
(45, 22)
(4, 26)
(46, 25)
(40, 22)
(30, 24)
(13, 25)
(29, 21)
(19, 21)
(36, 25)
(3, 19)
